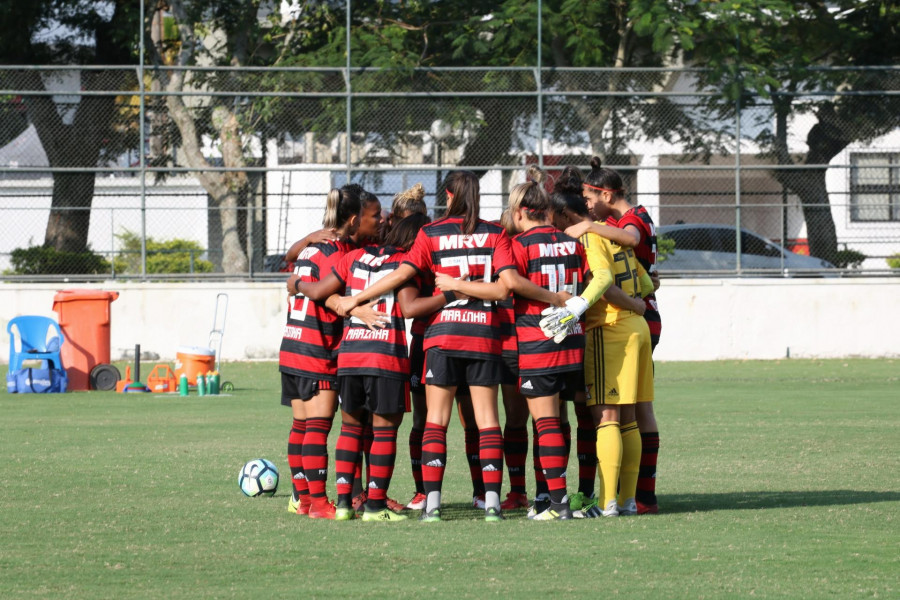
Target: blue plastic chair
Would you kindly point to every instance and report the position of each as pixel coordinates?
(39, 338)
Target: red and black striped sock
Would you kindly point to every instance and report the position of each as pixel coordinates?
(490, 451)
(359, 485)
(586, 449)
(381, 468)
(646, 486)
(415, 457)
(346, 459)
(515, 448)
(434, 457)
(553, 457)
(315, 455)
(295, 458)
(472, 455)
(566, 431)
(539, 480)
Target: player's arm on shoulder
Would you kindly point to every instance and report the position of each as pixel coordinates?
(629, 237)
(319, 290)
(483, 290)
(322, 235)
(528, 289)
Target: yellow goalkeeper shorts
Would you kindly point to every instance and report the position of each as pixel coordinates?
(618, 363)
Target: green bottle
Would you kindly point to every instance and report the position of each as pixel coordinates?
(214, 383)
(201, 384)
(183, 385)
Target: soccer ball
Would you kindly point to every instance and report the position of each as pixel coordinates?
(259, 477)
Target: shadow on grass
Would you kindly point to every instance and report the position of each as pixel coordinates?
(685, 503)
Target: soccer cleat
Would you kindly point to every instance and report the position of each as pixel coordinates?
(322, 510)
(359, 501)
(590, 512)
(344, 514)
(628, 509)
(432, 516)
(611, 510)
(417, 502)
(478, 501)
(514, 501)
(293, 505)
(541, 503)
(383, 515)
(647, 509)
(394, 505)
(560, 513)
(493, 515)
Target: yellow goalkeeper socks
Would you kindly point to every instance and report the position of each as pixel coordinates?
(631, 461)
(609, 458)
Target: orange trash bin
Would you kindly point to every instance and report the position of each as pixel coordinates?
(84, 320)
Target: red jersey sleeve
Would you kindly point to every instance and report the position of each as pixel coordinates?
(341, 268)
(419, 256)
(503, 255)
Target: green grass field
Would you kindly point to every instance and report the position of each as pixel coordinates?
(777, 479)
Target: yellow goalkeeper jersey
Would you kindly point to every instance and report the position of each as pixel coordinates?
(627, 273)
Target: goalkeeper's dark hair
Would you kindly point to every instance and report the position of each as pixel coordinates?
(531, 196)
(404, 232)
(341, 204)
(567, 193)
(605, 179)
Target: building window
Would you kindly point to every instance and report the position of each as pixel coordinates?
(875, 187)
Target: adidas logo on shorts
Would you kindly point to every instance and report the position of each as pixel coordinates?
(527, 385)
(435, 463)
(614, 392)
(429, 373)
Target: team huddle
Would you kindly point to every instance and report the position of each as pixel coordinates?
(554, 305)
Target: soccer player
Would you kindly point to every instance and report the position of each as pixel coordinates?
(554, 261)
(308, 356)
(632, 227)
(618, 367)
(462, 341)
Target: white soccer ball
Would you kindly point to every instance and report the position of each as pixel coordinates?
(259, 477)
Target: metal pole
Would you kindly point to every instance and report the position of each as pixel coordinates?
(540, 87)
(737, 170)
(349, 100)
(143, 137)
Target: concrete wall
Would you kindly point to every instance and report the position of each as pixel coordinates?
(706, 319)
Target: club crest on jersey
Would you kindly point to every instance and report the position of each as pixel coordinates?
(455, 242)
(558, 249)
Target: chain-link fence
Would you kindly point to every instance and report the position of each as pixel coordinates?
(209, 172)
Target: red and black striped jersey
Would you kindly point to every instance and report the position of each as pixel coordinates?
(424, 283)
(382, 353)
(312, 334)
(555, 261)
(646, 250)
(507, 312)
(467, 328)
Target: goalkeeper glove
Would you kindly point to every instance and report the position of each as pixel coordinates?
(561, 321)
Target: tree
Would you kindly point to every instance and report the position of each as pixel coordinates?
(766, 52)
(96, 131)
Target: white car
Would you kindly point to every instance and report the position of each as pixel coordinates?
(709, 249)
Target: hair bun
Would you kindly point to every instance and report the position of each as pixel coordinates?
(535, 174)
(596, 163)
(415, 193)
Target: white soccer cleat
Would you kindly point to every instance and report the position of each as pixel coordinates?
(611, 510)
(628, 509)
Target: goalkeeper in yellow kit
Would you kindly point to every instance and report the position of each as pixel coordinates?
(618, 366)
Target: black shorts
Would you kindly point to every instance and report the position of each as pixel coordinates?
(574, 384)
(510, 369)
(378, 395)
(416, 365)
(550, 383)
(296, 387)
(444, 369)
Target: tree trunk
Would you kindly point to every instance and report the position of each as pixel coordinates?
(810, 188)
